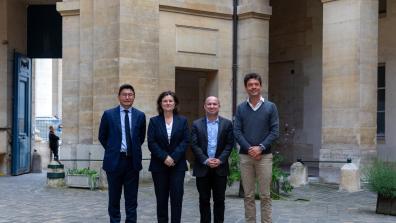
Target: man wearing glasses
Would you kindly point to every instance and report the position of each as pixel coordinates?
(122, 132)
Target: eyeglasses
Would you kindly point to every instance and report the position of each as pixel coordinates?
(130, 95)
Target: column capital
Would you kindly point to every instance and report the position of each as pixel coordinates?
(69, 8)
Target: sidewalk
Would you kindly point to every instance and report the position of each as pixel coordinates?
(26, 198)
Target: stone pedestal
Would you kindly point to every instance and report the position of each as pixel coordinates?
(350, 178)
(55, 175)
(298, 174)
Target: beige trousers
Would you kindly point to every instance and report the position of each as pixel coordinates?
(262, 170)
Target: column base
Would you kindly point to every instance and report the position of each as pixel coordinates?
(361, 156)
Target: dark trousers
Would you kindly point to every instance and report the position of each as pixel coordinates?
(206, 185)
(169, 184)
(55, 152)
(124, 176)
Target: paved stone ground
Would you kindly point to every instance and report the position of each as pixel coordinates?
(26, 199)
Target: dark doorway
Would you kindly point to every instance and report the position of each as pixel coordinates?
(192, 87)
(44, 32)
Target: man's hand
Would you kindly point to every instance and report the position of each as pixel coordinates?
(255, 152)
(213, 162)
(169, 161)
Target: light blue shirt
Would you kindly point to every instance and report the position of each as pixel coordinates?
(123, 138)
(213, 129)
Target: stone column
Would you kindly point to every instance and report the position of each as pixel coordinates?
(139, 54)
(253, 42)
(139, 50)
(86, 126)
(105, 44)
(56, 88)
(350, 43)
(70, 11)
(125, 50)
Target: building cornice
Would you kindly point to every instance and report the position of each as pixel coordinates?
(326, 1)
(249, 11)
(204, 10)
(69, 8)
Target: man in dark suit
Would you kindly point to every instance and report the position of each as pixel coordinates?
(212, 141)
(122, 131)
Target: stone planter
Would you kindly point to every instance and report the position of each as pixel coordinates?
(386, 205)
(82, 181)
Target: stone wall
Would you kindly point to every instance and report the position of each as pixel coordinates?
(4, 125)
(387, 55)
(295, 75)
(12, 37)
(196, 42)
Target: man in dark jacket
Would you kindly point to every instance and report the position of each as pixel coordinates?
(53, 142)
(122, 131)
(212, 141)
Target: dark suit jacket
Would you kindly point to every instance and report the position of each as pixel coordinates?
(160, 148)
(199, 140)
(110, 137)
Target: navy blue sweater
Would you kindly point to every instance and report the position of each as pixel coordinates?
(254, 128)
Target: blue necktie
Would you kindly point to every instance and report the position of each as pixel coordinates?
(128, 133)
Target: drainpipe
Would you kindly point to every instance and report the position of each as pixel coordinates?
(234, 56)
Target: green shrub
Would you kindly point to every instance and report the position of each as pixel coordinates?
(235, 173)
(278, 175)
(83, 171)
(381, 178)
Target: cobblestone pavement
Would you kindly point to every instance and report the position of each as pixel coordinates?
(26, 199)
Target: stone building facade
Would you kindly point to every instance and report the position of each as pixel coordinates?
(318, 59)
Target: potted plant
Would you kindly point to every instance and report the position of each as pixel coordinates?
(82, 177)
(279, 177)
(381, 178)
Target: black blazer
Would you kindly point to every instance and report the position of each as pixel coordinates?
(160, 148)
(199, 140)
(110, 137)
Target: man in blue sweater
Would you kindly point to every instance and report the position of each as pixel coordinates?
(256, 127)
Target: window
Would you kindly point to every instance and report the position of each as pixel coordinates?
(381, 102)
(382, 8)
